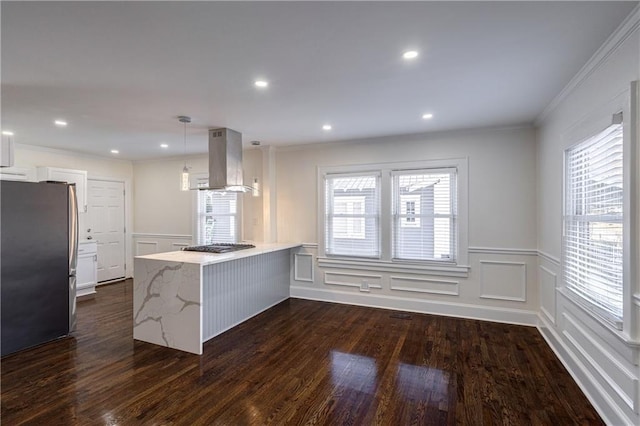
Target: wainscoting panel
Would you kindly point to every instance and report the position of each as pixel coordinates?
(353, 279)
(548, 283)
(424, 285)
(144, 244)
(503, 280)
(435, 289)
(597, 359)
(303, 267)
(146, 247)
(602, 361)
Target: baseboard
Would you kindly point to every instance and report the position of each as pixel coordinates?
(115, 281)
(595, 393)
(88, 296)
(450, 309)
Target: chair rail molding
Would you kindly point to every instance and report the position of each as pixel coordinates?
(162, 236)
(506, 251)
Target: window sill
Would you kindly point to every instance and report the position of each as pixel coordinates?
(450, 270)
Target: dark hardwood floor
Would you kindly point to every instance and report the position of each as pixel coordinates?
(301, 362)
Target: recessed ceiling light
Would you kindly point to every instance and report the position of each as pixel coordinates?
(7, 133)
(410, 54)
(427, 116)
(115, 151)
(327, 127)
(164, 145)
(261, 83)
(60, 123)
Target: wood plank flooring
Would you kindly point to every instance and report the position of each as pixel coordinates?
(301, 362)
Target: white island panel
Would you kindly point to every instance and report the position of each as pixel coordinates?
(233, 292)
(166, 304)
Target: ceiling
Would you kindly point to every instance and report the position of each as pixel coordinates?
(121, 72)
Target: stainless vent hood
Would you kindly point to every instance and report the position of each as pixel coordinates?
(225, 162)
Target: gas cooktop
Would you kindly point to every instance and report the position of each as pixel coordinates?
(219, 248)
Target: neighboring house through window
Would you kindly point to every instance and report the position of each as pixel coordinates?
(217, 216)
(352, 214)
(349, 223)
(424, 215)
(409, 210)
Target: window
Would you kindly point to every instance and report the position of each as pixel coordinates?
(217, 217)
(424, 220)
(352, 215)
(411, 215)
(593, 221)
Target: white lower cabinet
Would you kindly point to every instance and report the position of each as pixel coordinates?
(87, 268)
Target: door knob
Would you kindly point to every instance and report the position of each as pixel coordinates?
(89, 237)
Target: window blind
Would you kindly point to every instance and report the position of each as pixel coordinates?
(593, 221)
(424, 214)
(352, 215)
(217, 217)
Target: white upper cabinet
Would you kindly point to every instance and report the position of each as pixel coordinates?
(79, 177)
(18, 173)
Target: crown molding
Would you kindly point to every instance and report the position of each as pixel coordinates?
(615, 40)
(69, 153)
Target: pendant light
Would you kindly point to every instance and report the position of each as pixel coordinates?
(255, 189)
(184, 181)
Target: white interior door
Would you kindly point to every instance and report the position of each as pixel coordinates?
(105, 224)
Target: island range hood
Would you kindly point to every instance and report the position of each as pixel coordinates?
(225, 162)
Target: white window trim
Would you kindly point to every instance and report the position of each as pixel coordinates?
(377, 215)
(453, 216)
(629, 103)
(195, 219)
(460, 266)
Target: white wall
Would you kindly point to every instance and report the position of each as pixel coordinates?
(501, 284)
(164, 215)
(161, 208)
(603, 361)
(30, 157)
(502, 195)
(252, 207)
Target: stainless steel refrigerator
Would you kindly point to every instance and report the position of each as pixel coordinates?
(38, 256)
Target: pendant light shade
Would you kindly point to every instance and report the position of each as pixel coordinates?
(184, 182)
(255, 189)
(184, 177)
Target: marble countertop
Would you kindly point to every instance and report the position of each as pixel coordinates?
(211, 258)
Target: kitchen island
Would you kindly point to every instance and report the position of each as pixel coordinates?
(181, 299)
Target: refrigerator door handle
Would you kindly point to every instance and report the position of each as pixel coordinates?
(73, 254)
(73, 228)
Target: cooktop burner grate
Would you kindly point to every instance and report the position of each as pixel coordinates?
(219, 247)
